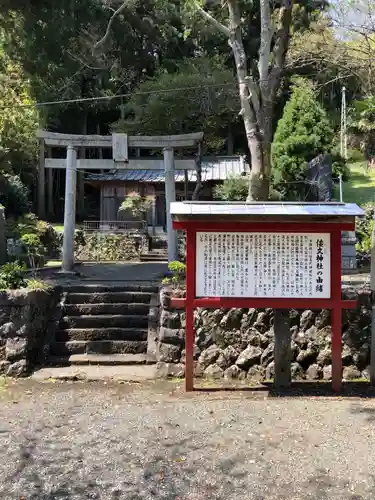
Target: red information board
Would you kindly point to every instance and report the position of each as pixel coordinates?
(264, 255)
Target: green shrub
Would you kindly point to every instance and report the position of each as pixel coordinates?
(33, 246)
(110, 247)
(303, 133)
(237, 189)
(36, 284)
(14, 195)
(12, 276)
(363, 229)
(232, 189)
(137, 204)
(29, 223)
(178, 270)
(340, 166)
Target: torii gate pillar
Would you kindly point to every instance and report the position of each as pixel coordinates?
(69, 210)
(170, 197)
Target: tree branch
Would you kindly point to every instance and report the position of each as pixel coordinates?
(281, 45)
(110, 22)
(254, 93)
(265, 41)
(212, 20)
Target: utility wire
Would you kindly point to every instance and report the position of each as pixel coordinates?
(117, 96)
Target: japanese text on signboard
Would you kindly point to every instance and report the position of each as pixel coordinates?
(295, 265)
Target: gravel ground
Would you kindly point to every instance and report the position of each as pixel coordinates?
(82, 440)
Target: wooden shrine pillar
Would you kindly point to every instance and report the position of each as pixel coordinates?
(283, 349)
(50, 204)
(153, 207)
(41, 191)
(170, 197)
(81, 187)
(69, 210)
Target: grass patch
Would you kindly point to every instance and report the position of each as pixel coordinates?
(59, 226)
(35, 284)
(53, 263)
(360, 188)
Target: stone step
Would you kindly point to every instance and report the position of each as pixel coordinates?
(99, 359)
(135, 334)
(104, 321)
(95, 288)
(108, 298)
(106, 308)
(98, 347)
(148, 257)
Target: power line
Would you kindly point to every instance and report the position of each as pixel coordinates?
(118, 96)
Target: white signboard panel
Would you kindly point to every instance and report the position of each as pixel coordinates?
(277, 265)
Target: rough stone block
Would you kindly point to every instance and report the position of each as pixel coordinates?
(15, 348)
(165, 370)
(17, 369)
(351, 373)
(256, 373)
(234, 372)
(249, 357)
(209, 356)
(172, 336)
(327, 372)
(8, 330)
(169, 353)
(314, 372)
(214, 371)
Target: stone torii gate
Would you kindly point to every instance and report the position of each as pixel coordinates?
(119, 143)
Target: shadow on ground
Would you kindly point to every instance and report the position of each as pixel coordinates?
(169, 475)
(302, 389)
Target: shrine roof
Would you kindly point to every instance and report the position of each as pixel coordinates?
(269, 208)
(217, 168)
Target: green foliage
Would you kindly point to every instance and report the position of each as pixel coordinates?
(137, 204)
(12, 276)
(33, 247)
(32, 242)
(232, 189)
(29, 224)
(340, 167)
(38, 285)
(14, 195)
(363, 229)
(160, 110)
(178, 270)
(362, 123)
(303, 133)
(237, 188)
(106, 247)
(18, 144)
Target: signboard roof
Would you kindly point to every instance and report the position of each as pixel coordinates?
(267, 208)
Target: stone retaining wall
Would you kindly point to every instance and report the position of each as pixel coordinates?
(239, 343)
(28, 320)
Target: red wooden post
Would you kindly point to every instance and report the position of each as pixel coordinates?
(190, 296)
(336, 310)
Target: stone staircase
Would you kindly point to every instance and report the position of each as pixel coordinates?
(104, 325)
(159, 255)
(158, 252)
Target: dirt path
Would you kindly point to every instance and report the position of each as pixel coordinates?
(102, 441)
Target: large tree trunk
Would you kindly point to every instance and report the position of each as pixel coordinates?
(258, 99)
(258, 180)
